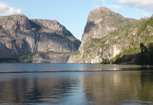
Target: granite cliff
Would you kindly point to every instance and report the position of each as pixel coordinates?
(109, 36)
(22, 36)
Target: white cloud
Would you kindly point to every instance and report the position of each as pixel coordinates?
(5, 9)
(143, 4)
(94, 6)
(112, 6)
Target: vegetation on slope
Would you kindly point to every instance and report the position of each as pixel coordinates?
(143, 54)
(133, 35)
(28, 58)
(75, 53)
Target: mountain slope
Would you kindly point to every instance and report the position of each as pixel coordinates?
(21, 36)
(112, 36)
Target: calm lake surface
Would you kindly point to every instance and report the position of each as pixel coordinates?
(39, 84)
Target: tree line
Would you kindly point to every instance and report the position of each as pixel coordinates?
(146, 55)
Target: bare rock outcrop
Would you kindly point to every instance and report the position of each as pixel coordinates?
(101, 22)
(98, 42)
(21, 36)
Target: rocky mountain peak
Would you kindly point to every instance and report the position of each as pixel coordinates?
(102, 13)
(50, 24)
(101, 22)
(15, 23)
(13, 17)
(18, 16)
(21, 36)
(53, 25)
(100, 25)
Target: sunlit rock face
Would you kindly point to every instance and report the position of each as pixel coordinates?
(100, 24)
(21, 36)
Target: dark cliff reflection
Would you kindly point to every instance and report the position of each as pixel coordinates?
(146, 91)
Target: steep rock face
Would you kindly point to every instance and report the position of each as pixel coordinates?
(21, 36)
(74, 58)
(14, 23)
(98, 41)
(54, 37)
(54, 26)
(101, 22)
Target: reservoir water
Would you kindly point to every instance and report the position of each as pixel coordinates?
(75, 84)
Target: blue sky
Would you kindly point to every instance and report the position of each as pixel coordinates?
(73, 13)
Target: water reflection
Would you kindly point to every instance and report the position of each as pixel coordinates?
(36, 88)
(119, 87)
(63, 67)
(108, 87)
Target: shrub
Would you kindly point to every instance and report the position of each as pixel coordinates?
(75, 53)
